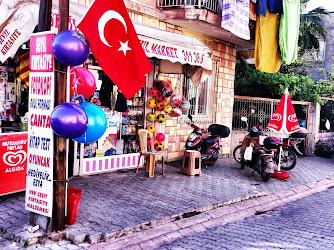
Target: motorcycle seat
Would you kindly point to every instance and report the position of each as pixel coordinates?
(211, 139)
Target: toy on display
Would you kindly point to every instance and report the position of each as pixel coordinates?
(159, 146)
(160, 137)
(168, 109)
(150, 128)
(154, 92)
(151, 104)
(175, 100)
(97, 122)
(70, 48)
(184, 105)
(161, 118)
(165, 87)
(175, 112)
(150, 117)
(160, 106)
(68, 120)
(82, 82)
(163, 99)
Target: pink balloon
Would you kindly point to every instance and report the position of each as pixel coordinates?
(160, 137)
(82, 82)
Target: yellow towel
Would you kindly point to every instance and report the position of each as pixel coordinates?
(267, 54)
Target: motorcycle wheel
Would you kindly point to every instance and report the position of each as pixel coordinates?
(289, 159)
(237, 154)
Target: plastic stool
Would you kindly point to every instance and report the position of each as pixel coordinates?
(191, 163)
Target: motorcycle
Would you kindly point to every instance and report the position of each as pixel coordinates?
(206, 141)
(288, 150)
(259, 157)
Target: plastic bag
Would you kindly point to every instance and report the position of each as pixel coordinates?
(248, 153)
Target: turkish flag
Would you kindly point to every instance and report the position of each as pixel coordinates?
(284, 117)
(115, 45)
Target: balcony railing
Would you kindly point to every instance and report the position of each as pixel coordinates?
(212, 5)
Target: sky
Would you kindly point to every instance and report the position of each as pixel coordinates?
(327, 4)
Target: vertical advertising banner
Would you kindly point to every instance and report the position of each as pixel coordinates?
(13, 162)
(39, 185)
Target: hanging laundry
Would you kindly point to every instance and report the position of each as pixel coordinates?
(276, 6)
(235, 17)
(261, 7)
(252, 11)
(289, 30)
(267, 54)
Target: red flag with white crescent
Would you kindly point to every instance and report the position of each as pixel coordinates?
(115, 45)
(284, 118)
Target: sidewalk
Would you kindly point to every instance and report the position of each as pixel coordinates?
(117, 204)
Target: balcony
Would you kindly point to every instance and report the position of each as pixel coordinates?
(202, 16)
(211, 5)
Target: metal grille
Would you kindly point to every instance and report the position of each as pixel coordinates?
(257, 110)
(200, 104)
(212, 5)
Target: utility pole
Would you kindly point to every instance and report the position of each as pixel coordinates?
(60, 143)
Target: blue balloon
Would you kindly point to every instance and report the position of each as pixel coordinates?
(97, 123)
(70, 48)
(68, 120)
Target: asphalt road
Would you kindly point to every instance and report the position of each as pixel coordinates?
(307, 223)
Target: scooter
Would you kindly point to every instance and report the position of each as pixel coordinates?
(288, 149)
(206, 141)
(259, 157)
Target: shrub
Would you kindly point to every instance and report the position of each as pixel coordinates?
(323, 150)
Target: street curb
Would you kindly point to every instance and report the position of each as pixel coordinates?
(235, 210)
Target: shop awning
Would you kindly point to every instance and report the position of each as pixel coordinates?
(173, 47)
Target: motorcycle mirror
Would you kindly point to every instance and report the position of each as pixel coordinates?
(190, 117)
(244, 119)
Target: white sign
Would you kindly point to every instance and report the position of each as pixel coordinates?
(39, 189)
(175, 53)
(18, 29)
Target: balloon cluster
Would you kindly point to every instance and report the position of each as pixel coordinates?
(81, 121)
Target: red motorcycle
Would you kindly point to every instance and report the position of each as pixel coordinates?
(206, 141)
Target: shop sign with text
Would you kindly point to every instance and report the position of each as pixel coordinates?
(13, 162)
(39, 187)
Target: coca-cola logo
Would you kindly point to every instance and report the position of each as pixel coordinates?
(276, 117)
(14, 158)
(292, 118)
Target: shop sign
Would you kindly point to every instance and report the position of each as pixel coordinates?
(72, 22)
(175, 53)
(39, 187)
(13, 162)
(18, 29)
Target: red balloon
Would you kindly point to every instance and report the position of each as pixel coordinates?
(82, 82)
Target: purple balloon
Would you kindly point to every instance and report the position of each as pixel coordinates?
(70, 48)
(68, 120)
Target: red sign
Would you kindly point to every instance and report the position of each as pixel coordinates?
(13, 162)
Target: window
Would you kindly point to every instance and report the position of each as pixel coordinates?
(317, 55)
(199, 97)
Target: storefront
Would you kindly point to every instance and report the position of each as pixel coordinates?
(119, 147)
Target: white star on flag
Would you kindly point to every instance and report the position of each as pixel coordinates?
(124, 47)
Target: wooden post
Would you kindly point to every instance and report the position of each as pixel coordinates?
(60, 143)
(44, 21)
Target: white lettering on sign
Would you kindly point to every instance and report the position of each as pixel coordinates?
(40, 44)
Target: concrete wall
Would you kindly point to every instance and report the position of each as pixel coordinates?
(327, 62)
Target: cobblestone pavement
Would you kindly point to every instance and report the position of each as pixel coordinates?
(118, 203)
(307, 223)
